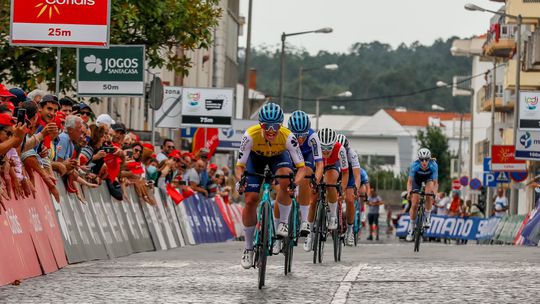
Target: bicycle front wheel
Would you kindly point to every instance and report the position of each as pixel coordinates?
(263, 246)
(418, 230)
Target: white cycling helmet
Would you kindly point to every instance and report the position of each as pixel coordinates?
(424, 153)
(343, 140)
(327, 136)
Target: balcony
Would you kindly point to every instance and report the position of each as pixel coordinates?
(500, 41)
(485, 100)
(529, 9)
(529, 80)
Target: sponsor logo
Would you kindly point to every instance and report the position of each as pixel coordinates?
(525, 140)
(531, 102)
(52, 7)
(213, 104)
(228, 132)
(111, 65)
(194, 100)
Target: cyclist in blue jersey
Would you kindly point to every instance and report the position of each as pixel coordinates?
(423, 170)
(352, 183)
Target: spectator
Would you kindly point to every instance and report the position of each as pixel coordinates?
(166, 148)
(85, 112)
(194, 177)
(66, 105)
(130, 139)
(374, 202)
(442, 204)
(212, 186)
(65, 149)
(456, 204)
(230, 181)
(5, 96)
(103, 119)
(118, 134)
(500, 203)
(36, 96)
(223, 190)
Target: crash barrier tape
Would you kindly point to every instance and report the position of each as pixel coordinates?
(30, 238)
(40, 236)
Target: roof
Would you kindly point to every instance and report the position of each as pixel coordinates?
(340, 123)
(421, 119)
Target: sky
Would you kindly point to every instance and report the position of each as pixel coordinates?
(388, 21)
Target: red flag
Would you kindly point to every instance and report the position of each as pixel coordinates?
(113, 166)
(188, 192)
(211, 143)
(176, 196)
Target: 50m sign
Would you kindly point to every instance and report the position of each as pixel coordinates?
(62, 23)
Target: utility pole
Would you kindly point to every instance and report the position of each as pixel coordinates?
(247, 104)
(460, 141)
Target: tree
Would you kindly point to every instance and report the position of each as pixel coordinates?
(161, 25)
(434, 139)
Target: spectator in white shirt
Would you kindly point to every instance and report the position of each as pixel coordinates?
(500, 203)
(166, 148)
(442, 204)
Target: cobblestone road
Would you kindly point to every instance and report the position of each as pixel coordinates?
(386, 272)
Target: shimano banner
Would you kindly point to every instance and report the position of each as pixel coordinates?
(467, 228)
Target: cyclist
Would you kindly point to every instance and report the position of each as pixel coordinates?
(423, 170)
(310, 145)
(352, 183)
(335, 161)
(265, 144)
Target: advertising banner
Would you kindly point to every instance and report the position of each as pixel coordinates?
(169, 115)
(528, 145)
(529, 111)
(503, 159)
(117, 71)
(60, 23)
(230, 138)
(207, 107)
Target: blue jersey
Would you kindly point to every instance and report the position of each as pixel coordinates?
(419, 175)
(364, 179)
(311, 145)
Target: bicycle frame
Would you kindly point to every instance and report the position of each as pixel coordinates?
(265, 199)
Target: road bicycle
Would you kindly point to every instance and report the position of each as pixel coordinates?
(418, 232)
(320, 225)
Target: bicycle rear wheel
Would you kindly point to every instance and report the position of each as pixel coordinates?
(263, 246)
(289, 241)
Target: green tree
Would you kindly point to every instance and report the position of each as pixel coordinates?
(161, 25)
(434, 139)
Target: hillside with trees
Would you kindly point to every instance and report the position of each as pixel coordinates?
(374, 72)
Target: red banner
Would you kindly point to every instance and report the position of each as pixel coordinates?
(211, 143)
(502, 159)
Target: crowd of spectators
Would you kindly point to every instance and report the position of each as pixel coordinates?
(64, 141)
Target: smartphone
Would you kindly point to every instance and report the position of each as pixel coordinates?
(109, 149)
(182, 183)
(129, 153)
(21, 116)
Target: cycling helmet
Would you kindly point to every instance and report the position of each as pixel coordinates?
(343, 140)
(327, 136)
(424, 153)
(271, 113)
(299, 122)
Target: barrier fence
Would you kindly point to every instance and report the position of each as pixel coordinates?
(39, 236)
(510, 229)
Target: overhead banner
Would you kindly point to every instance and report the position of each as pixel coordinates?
(502, 159)
(529, 111)
(169, 115)
(230, 138)
(60, 23)
(207, 107)
(117, 71)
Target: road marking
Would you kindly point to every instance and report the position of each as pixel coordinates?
(340, 296)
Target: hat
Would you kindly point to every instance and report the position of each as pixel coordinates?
(4, 92)
(104, 119)
(213, 166)
(82, 106)
(175, 154)
(135, 167)
(119, 127)
(6, 120)
(18, 95)
(148, 146)
(49, 98)
(219, 172)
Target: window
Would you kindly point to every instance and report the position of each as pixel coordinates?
(378, 160)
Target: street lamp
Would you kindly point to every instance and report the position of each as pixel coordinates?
(519, 21)
(324, 30)
(317, 106)
(471, 140)
(435, 107)
(330, 67)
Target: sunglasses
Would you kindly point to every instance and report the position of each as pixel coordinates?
(273, 127)
(169, 147)
(301, 135)
(327, 148)
(424, 160)
(86, 113)
(137, 150)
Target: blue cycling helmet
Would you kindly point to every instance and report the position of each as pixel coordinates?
(271, 113)
(299, 122)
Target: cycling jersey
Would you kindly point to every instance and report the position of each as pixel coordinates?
(254, 141)
(364, 179)
(354, 163)
(421, 176)
(312, 145)
(337, 159)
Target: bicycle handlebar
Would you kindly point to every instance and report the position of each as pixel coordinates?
(422, 193)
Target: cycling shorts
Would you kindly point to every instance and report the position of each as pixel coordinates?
(336, 166)
(257, 163)
(417, 184)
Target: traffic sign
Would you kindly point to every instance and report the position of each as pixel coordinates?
(475, 184)
(117, 71)
(60, 23)
(456, 185)
(490, 179)
(502, 178)
(464, 181)
(502, 159)
(518, 176)
(207, 107)
(487, 164)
